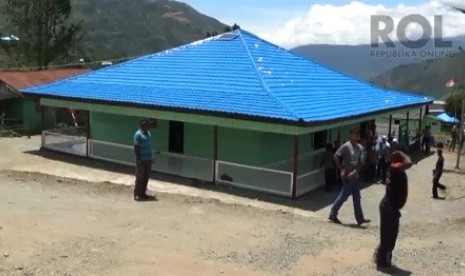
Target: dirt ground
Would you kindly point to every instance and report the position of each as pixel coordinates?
(62, 225)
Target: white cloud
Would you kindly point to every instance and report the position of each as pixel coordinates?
(350, 24)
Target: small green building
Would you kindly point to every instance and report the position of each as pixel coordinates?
(231, 109)
(18, 111)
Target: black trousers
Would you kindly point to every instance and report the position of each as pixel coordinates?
(437, 185)
(143, 170)
(382, 169)
(371, 171)
(426, 144)
(330, 178)
(389, 229)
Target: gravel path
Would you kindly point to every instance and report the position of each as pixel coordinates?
(58, 226)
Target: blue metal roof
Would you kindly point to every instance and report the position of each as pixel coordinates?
(237, 73)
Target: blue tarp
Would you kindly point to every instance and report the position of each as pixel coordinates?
(446, 118)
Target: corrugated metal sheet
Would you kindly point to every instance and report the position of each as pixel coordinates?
(240, 74)
(23, 79)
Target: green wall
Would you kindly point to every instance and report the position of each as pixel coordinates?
(24, 109)
(120, 129)
(31, 117)
(239, 146)
(275, 147)
(234, 145)
(198, 140)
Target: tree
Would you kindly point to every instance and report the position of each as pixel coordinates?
(227, 29)
(454, 102)
(44, 28)
(236, 27)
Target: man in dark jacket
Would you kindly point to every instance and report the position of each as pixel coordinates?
(327, 162)
(389, 208)
(437, 173)
(454, 137)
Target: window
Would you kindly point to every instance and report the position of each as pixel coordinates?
(397, 122)
(319, 139)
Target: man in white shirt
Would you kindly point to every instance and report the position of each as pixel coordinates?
(384, 158)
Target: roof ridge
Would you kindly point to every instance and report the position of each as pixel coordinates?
(335, 70)
(263, 82)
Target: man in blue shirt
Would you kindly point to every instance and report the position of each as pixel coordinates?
(144, 159)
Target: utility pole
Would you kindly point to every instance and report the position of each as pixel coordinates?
(461, 121)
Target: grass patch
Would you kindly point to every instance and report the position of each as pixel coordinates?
(8, 133)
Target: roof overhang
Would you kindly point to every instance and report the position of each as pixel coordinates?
(8, 92)
(215, 118)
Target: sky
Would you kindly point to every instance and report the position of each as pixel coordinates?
(291, 23)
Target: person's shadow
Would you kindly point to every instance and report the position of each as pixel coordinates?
(355, 226)
(394, 270)
(149, 198)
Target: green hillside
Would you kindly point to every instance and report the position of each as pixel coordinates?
(121, 28)
(426, 78)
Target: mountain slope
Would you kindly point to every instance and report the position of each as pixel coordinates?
(426, 77)
(121, 28)
(125, 28)
(358, 60)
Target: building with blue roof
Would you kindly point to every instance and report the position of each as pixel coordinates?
(232, 108)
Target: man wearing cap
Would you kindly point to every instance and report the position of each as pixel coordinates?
(144, 159)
